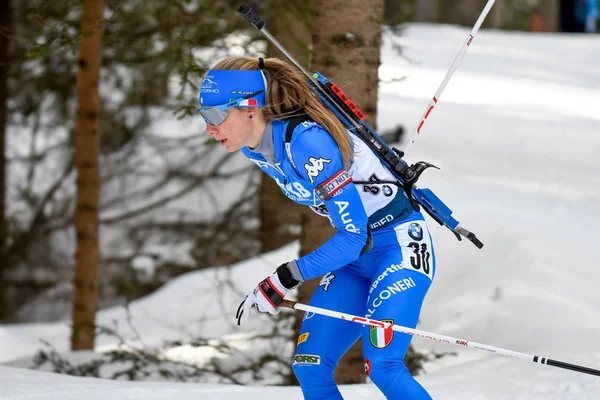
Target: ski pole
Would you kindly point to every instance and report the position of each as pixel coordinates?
(439, 338)
(449, 74)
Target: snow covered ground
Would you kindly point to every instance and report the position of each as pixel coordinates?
(490, 379)
(517, 135)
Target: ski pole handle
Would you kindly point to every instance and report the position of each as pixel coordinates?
(438, 338)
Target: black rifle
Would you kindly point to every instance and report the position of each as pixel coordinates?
(353, 119)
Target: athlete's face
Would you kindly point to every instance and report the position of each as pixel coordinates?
(242, 127)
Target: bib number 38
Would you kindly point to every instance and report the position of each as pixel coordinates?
(417, 252)
(421, 257)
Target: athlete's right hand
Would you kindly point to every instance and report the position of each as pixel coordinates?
(268, 294)
(266, 297)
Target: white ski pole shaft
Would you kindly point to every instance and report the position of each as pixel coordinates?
(453, 67)
(439, 338)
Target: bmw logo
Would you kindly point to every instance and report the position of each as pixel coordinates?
(415, 231)
(387, 191)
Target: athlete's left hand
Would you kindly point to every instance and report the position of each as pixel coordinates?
(267, 295)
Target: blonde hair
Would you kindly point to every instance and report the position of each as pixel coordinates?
(288, 95)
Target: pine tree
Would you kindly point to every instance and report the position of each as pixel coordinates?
(87, 257)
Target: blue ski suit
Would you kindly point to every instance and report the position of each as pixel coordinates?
(379, 264)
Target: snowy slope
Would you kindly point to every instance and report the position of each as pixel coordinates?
(492, 379)
(517, 134)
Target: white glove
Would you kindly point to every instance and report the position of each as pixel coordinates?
(267, 295)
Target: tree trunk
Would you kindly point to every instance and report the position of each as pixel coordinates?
(87, 144)
(346, 47)
(5, 32)
(426, 10)
(289, 23)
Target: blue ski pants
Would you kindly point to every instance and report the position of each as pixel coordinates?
(389, 284)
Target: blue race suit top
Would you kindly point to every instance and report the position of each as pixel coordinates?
(359, 203)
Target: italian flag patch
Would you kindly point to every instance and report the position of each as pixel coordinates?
(249, 102)
(381, 337)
